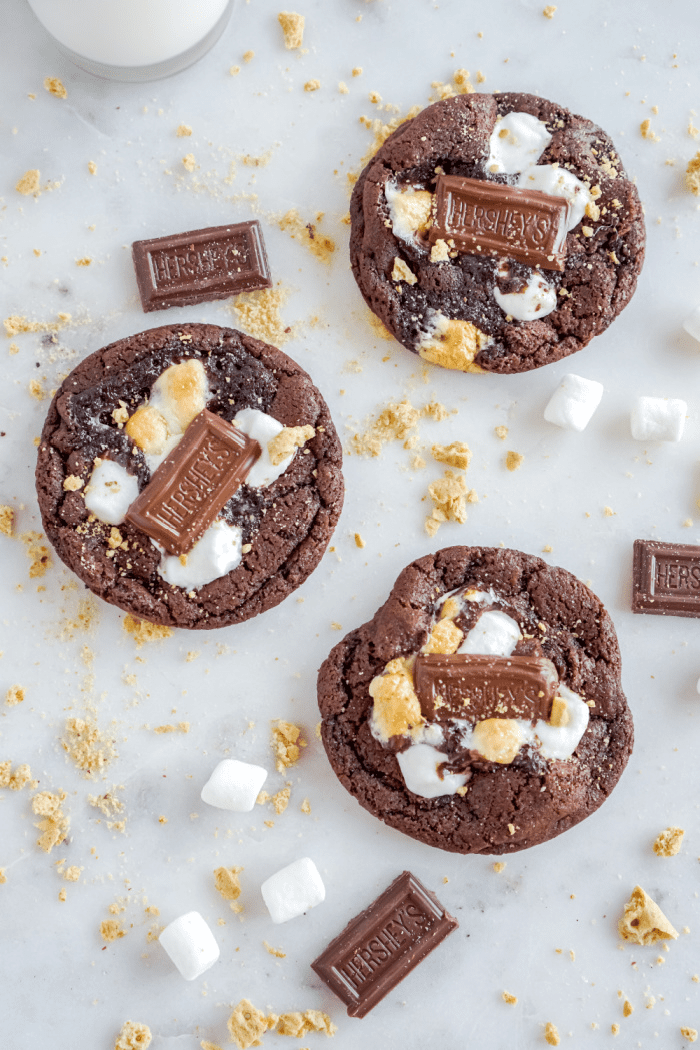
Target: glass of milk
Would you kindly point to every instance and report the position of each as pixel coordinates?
(133, 39)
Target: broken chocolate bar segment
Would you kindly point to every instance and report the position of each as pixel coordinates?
(379, 947)
(201, 265)
(666, 578)
(491, 218)
(478, 687)
(194, 481)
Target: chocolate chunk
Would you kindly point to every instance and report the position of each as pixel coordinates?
(193, 483)
(379, 947)
(493, 219)
(477, 687)
(201, 265)
(666, 578)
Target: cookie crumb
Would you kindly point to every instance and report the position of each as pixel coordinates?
(692, 175)
(643, 922)
(627, 1008)
(501, 432)
(62, 896)
(449, 495)
(133, 1036)
(248, 56)
(297, 1024)
(435, 410)
(359, 542)
(615, 1029)
(92, 167)
(293, 29)
(549, 11)
(277, 952)
(111, 930)
(690, 1034)
(312, 85)
(284, 744)
(319, 244)
(72, 874)
(646, 132)
(142, 631)
(305, 806)
(54, 823)
(87, 746)
(343, 87)
(510, 999)
(514, 460)
(14, 695)
(551, 1034)
(394, 423)
(183, 131)
(280, 801)
(499, 866)
(227, 882)
(259, 313)
(669, 842)
(54, 87)
(247, 1024)
(188, 162)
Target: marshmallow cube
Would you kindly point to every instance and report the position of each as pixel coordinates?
(293, 890)
(692, 324)
(234, 785)
(190, 944)
(658, 418)
(573, 402)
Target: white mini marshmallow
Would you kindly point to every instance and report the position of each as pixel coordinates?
(293, 890)
(493, 634)
(573, 403)
(537, 299)
(558, 182)
(658, 418)
(110, 492)
(419, 769)
(562, 741)
(213, 555)
(692, 324)
(190, 944)
(234, 785)
(262, 428)
(516, 142)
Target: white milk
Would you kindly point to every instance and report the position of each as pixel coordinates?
(130, 33)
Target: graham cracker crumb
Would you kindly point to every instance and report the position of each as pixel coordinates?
(280, 801)
(615, 1028)
(92, 167)
(643, 922)
(54, 87)
(435, 410)
(440, 251)
(297, 1024)
(320, 245)
(647, 133)
(14, 695)
(449, 495)
(259, 313)
(458, 454)
(72, 874)
(549, 11)
(499, 866)
(16, 324)
(393, 424)
(247, 1024)
(3, 877)
(692, 175)
(38, 554)
(305, 806)
(402, 272)
(227, 882)
(609, 512)
(17, 780)
(690, 1034)
(142, 631)
(284, 743)
(36, 390)
(248, 56)
(183, 131)
(85, 261)
(108, 803)
(627, 1008)
(510, 999)
(669, 842)
(29, 184)
(62, 896)
(133, 1036)
(277, 952)
(181, 727)
(551, 1034)
(234, 70)
(86, 745)
(343, 87)
(285, 443)
(514, 460)
(312, 85)
(73, 483)
(359, 542)
(357, 71)
(293, 29)
(54, 823)
(188, 162)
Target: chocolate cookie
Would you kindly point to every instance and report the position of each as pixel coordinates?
(496, 233)
(230, 518)
(481, 710)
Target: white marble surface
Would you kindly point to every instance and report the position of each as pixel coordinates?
(61, 986)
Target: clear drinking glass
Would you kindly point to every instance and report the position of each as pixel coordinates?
(133, 40)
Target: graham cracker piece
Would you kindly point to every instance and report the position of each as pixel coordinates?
(668, 842)
(643, 922)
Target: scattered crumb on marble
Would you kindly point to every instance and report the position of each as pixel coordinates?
(293, 28)
(227, 882)
(142, 631)
(54, 87)
(30, 183)
(312, 85)
(307, 233)
(183, 131)
(514, 460)
(259, 314)
(55, 823)
(510, 999)
(88, 748)
(277, 952)
(133, 1036)
(14, 695)
(643, 922)
(669, 842)
(551, 1034)
(286, 742)
(37, 552)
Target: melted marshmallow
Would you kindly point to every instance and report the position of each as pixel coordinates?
(559, 182)
(517, 141)
(493, 634)
(537, 299)
(216, 553)
(419, 768)
(110, 492)
(262, 428)
(409, 210)
(561, 741)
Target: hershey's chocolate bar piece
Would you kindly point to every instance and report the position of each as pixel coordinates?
(201, 265)
(666, 578)
(478, 687)
(493, 219)
(193, 482)
(385, 942)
